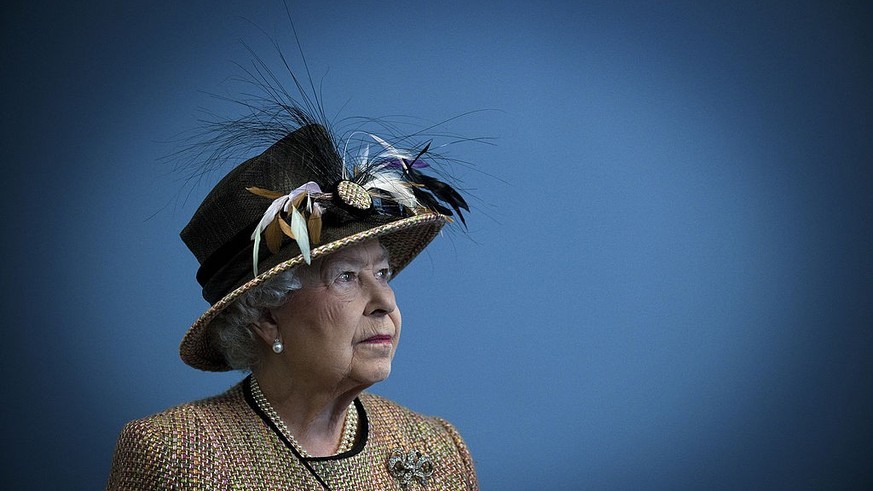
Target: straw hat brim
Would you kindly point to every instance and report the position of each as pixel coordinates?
(404, 238)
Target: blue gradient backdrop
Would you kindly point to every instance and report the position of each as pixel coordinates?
(666, 282)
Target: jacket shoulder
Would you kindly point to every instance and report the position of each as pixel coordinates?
(414, 431)
(158, 451)
(189, 417)
(381, 408)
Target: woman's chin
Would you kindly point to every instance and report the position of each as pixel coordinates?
(374, 372)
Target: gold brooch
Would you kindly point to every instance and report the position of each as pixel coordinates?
(352, 194)
(408, 466)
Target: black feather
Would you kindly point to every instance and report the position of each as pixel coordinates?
(428, 200)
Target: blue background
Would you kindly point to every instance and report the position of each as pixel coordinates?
(667, 281)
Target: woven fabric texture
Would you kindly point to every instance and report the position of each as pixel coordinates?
(221, 443)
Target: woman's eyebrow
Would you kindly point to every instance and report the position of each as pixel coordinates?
(357, 262)
(342, 263)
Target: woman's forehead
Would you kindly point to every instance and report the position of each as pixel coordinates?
(360, 254)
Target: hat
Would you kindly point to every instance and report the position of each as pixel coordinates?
(298, 201)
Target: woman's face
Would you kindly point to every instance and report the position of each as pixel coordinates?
(343, 325)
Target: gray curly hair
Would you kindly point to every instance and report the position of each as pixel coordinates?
(230, 332)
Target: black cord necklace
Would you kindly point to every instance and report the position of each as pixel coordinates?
(257, 407)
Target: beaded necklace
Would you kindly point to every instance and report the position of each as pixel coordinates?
(350, 426)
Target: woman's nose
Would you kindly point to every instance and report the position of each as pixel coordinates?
(382, 301)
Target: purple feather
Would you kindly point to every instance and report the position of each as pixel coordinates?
(397, 164)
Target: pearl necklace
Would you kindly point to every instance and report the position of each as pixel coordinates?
(350, 426)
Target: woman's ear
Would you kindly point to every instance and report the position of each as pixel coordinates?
(266, 328)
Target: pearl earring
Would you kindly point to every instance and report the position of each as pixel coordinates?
(278, 346)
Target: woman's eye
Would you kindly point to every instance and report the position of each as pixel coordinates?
(383, 274)
(346, 276)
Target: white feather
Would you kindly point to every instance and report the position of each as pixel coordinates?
(301, 234)
(364, 157)
(274, 209)
(395, 186)
(390, 151)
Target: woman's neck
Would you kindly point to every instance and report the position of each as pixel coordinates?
(314, 417)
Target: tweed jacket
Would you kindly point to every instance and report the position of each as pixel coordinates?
(228, 443)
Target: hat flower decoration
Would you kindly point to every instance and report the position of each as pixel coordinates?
(390, 182)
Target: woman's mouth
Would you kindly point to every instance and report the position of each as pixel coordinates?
(378, 339)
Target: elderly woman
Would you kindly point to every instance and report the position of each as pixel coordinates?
(296, 253)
